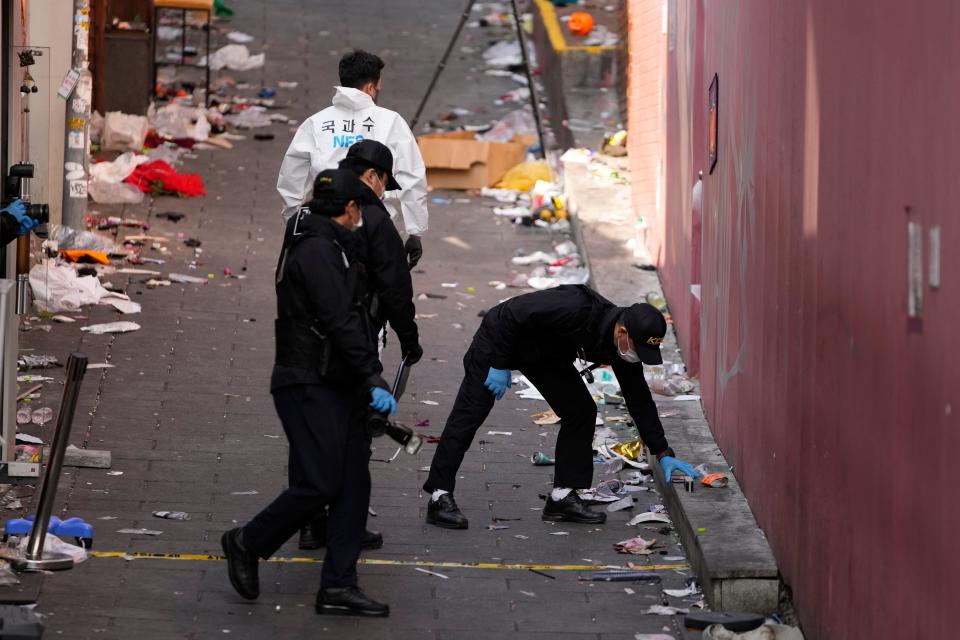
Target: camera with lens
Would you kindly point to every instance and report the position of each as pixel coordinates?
(18, 187)
(379, 425)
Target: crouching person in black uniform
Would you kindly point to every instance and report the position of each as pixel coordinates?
(541, 334)
(389, 289)
(326, 373)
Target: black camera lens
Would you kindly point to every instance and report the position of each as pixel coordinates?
(39, 212)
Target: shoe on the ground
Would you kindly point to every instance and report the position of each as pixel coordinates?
(242, 566)
(445, 513)
(311, 538)
(571, 509)
(350, 601)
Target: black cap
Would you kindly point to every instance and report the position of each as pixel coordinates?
(338, 184)
(377, 155)
(646, 326)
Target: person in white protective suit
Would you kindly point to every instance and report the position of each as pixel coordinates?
(323, 139)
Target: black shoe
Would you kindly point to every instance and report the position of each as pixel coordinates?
(311, 539)
(571, 509)
(445, 513)
(242, 565)
(350, 601)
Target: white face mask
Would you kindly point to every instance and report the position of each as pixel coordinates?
(383, 187)
(630, 355)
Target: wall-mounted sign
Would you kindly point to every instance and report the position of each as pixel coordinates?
(713, 104)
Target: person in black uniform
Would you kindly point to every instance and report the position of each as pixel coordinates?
(541, 334)
(389, 288)
(326, 372)
(14, 221)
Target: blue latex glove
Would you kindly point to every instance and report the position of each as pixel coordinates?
(669, 464)
(498, 381)
(383, 401)
(18, 210)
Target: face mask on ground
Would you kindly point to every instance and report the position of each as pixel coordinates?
(630, 355)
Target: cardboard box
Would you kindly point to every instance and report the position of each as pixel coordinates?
(457, 160)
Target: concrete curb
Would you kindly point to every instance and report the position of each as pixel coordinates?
(726, 546)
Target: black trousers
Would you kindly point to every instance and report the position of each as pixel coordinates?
(565, 392)
(331, 453)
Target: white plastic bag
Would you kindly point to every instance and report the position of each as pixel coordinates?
(58, 288)
(180, 122)
(236, 57)
(53, 544)
(123, 132)
(117, 170)
(119, 193)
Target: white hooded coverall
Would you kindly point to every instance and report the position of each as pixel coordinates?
(323, 139)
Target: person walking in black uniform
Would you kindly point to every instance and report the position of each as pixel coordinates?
(389, 288)
(541, 334)
(326, 373)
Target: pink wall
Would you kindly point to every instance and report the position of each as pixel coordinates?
(838, 412)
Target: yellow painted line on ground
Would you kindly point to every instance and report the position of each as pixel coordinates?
(395, 563)
(552, 24)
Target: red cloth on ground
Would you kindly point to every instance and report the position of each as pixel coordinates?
(160, 178)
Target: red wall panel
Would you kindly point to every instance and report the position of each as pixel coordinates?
(837, 127)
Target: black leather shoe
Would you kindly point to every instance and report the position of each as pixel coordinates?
(571, 509)
(311, 539)
(445, 513)
(242, 566)
(350, 601)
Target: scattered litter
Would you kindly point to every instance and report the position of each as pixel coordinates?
(690, 590)
(236, 57)
(559, 533)
(529, 593)
(449, 285)
(623, 575)
(239, 37)
(636, 546)
(715, 480)
(26, 438)
(520, 536)
(663, 610)
(172, 515)
(545, 417)
(26, 362)
(429, 402)
(42, 416)
(181, 278)
(141, 532)
(114, 473)
(540, 459)
(55, 546)
(495, 526)
(111, 327)
(432, 573)
(499, 433)
(123, 305)
(646, 517)
(252, 492)
(100, 365)
(620, 505)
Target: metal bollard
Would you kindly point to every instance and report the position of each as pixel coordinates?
(35, 560)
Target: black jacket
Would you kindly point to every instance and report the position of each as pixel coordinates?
(559, 325)
(322, 331)
(9, 226)
(389, 286)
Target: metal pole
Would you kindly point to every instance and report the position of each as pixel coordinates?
(77, 132)
(442, 65)
(76, 367)
(8, 336)
(522, 39)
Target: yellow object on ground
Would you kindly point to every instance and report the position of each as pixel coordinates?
(629, 450)
(526, 174)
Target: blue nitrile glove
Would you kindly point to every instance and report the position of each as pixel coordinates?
(18, 210)
(498, 381)
(383, 401)
(669, 464)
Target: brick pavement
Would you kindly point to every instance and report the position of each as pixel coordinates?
(187, 414)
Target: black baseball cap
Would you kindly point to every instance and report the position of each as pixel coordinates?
(374, 154)
(339, 184)
(646, 326)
